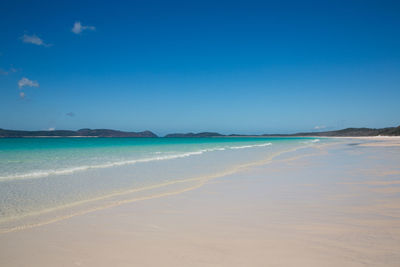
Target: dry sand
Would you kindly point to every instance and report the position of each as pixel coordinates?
(330, 206)
(377, 140)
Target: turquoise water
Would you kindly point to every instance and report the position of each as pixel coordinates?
(42, 179)
(38, 157)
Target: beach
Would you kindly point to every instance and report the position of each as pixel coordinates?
(200, 133)
(310, 203)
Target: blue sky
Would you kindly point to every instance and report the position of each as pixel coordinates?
(179, 66)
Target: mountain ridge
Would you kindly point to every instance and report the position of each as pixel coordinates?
(86, 132)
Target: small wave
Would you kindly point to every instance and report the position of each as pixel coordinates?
(46, 173)
(38, 174)
(311, 141)
(250, 146)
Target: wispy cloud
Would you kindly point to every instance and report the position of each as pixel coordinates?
(319, 127)
(22, 94)
(25, 82)
(51, 129)
(78, 28)
(33, 39)
(6, 72)
(70, 114)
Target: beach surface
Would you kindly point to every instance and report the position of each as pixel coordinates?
(334, 204)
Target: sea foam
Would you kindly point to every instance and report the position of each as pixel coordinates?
(45, 173)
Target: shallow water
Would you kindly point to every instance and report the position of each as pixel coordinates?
(47, 179)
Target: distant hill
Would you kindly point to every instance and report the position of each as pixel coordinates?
(391, 131)
(81, 132)
(204, 134)
(114, 133)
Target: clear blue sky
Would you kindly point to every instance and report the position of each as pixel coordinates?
(179, 66)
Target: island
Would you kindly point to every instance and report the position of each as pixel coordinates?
(348, 132)
(80, 133)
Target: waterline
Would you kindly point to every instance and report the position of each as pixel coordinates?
(39, 174)
(200, 181)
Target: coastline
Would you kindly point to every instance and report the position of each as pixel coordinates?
(329, 205)
(109, 133)
(238, 136)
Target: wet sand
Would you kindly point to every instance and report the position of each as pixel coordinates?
(330, 205)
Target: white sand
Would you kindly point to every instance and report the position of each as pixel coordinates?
(334, 206)
(376, 140)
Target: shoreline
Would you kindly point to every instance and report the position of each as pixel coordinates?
(378, 137)
(331, 205)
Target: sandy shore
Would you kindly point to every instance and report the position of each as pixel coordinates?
(335, 205)
(376, 140)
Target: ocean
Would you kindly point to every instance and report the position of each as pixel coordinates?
(44, 180)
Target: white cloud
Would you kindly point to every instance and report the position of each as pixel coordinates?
(26, 82)
(22, 94)
(319, 127)
(78, 28)
(33, 39)
(51, 129)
